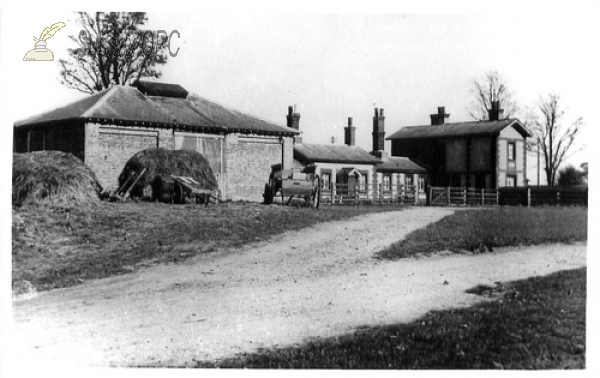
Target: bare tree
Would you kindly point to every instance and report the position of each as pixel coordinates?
(112, 49)
(491, 87)
(555, 140)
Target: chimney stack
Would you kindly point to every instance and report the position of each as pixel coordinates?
(440, 117)
(495, 112)
(378, 130)
(293, 121)
(350, 133)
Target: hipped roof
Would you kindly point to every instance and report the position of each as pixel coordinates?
(448, 130)
(400, 164)
(125, 105)
(331, 153)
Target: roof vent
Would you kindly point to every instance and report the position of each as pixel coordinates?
(153, 88)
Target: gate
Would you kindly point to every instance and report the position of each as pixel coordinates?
(443, 196)
(439, 196)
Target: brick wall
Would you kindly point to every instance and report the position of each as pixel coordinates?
(107, 148)
(248, 161)
(246, 166)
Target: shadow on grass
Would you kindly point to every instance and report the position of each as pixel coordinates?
(537, 323)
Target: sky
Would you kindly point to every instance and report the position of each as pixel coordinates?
(332, 66)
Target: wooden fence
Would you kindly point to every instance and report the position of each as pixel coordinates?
(375, 194)
(443, 196)
(519, 196)
(544, 196)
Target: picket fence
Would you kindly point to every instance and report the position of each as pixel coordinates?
(340, 194)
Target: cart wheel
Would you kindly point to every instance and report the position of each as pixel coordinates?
(316, 193)
(268, 194)
(178, 194)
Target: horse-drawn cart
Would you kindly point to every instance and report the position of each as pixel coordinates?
(293, 183)
(181, 189)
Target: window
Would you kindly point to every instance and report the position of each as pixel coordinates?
(408, 180)
(326, 180)
(511, 151)
(421, 183)
(511, 180)
(387, 181)
(362, 182)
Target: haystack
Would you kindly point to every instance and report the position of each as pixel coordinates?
(160, 161)
(52, 177)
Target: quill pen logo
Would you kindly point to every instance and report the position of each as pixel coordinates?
(40, 52)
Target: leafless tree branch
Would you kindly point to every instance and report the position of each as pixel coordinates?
(556, 143)
(491, 87)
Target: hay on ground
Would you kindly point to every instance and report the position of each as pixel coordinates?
(160, 161)
(52, 178)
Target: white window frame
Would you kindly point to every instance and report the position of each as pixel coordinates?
(510, 178)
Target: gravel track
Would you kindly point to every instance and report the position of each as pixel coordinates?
(316, 282)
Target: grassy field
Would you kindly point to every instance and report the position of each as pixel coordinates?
(537, 323)
(484, 229)
(59, 247)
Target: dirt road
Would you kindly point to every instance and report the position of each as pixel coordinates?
(320, 281)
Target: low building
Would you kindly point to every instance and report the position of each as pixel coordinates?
(339, 165)
(351, 168)
(107, 128)
(481, 154)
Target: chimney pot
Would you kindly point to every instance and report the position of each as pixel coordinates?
(350, 133)
(440, 117)
(378, 130)
(293, 121)
(495, 112)
(434, 119)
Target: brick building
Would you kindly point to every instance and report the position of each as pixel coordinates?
(356, 168)
(481, 154)
(107, 128)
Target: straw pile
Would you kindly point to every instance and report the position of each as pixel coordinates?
(52, 178)
(159, 161)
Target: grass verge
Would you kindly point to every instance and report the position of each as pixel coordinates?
(483, 229)
(56, 247)
(537, 323)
